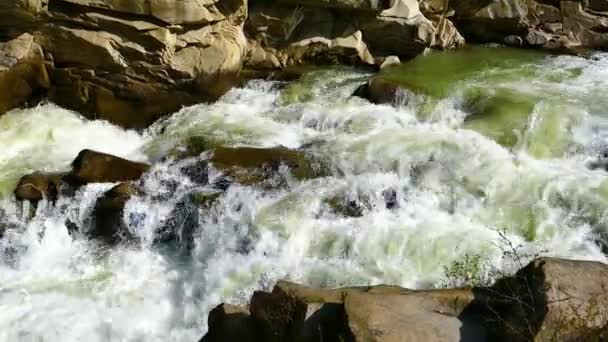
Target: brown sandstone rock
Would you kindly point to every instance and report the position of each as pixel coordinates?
(131, 64)
(554, 300)
(36, 186)
(231, 323)
(23, 71)
(252, 165)
(96, 167)
(382, 91)
(109, 225)
(548, 300)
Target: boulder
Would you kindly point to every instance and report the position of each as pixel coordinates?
(349, 49)
(37, 186)
(182, 222)
(96, 167)
(108, 224)
(513, 40)
(381, 91)
(252, 165)
(137, 63)
(23, 71)
(231, 323)
(437, 315)
(554, 300)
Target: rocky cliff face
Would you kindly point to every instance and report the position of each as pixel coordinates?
(535, 23)
(131, 62)
(289, 32)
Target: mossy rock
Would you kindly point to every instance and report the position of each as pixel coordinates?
(252, 165)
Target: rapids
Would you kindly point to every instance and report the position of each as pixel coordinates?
(495, 141)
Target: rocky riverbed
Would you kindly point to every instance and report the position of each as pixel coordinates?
(328, 170)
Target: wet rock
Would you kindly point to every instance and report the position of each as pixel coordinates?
(381, 91)
(231, 323)
(600, 163)
(37, 186)
(196, 171)
(23, 72)
(252, 165)
(205, 199)
(554, 300)
(183, 220)
(97, 167)
(390, 198)
(345, 206)
(513, 40)
(108, 225)
(280, 316)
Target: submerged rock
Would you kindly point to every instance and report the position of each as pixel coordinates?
(108, 225)
(252, 165)
(97, 167)
(344, 206)
(293, 312)
(381, 91)
(23, 71)
(548, 300)
(37, 186)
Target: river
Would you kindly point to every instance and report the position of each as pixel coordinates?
(493, 144)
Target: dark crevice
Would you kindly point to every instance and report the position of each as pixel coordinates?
(71, 9)
(599, 29)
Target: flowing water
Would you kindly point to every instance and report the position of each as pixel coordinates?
(493, 142)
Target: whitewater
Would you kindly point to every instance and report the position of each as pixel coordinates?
(458, 180)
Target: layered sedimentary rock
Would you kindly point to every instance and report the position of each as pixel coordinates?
(290, 32)
(131, 62)
(23, 71)
(548, 24)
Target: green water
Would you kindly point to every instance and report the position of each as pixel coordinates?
(509, 95)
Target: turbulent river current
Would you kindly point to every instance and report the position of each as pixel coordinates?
(491, 144)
